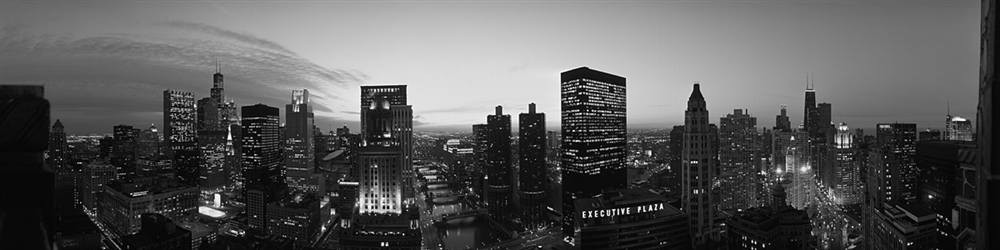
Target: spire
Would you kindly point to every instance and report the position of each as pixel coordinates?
(58, 124)
(696, 93)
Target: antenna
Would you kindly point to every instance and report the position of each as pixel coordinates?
(949, 108)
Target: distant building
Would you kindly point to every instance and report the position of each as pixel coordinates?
(158, 232)
(533, 167)
(957, 129)
(123, 150)
(630, 219)
(929, 135)
(699, 163)
(593, 137)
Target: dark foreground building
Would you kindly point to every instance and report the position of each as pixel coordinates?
(777, 226)
(630, 219)
(158, 232)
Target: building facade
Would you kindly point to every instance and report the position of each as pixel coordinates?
(534, 180)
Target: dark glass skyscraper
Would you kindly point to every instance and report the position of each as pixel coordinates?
(534, 181)
(897, 144)
(123, 150)
(179, 133)
(499, 168)
(593, 136)
(261, 158)
(699, 163)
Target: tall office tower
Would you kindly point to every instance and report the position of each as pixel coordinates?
(699, 163)
(533, 173)
(261, 157)
(957, 129)
(898, 146)
(381, 186)
(178, 120)
(179, 126)
(737, 161)
(593, 137)
(803, 184)
(123, 150)
(299, 153)
(781, 122)
(499, 168)
(988, 184)
(480, 134)
(208, 116)
(810, 115)
(847, 186)
(402, 127)
(58, 153)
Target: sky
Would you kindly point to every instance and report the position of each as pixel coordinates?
(105, 63)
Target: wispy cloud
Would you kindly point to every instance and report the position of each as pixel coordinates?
(83, 73)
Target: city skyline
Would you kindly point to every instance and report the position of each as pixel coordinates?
(870, 77)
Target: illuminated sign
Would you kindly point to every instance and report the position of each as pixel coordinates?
(139, 193)
(611, 212)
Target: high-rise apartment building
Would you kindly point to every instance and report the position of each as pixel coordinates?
(534, 179)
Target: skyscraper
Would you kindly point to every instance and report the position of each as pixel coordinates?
(179, 124)
(58, 152)
(299, 155)
(699, 163)
(781, 121)
(847, 186)
(737, 154)
(593, 136)
(957, 129)
(178, 120)
(402, 127)
(123, 150)
(380, 160)
(499, 168)
(810, 114)
(533, 173)
(261, 157)
(897, 143)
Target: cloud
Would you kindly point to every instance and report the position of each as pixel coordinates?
(121, 76)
